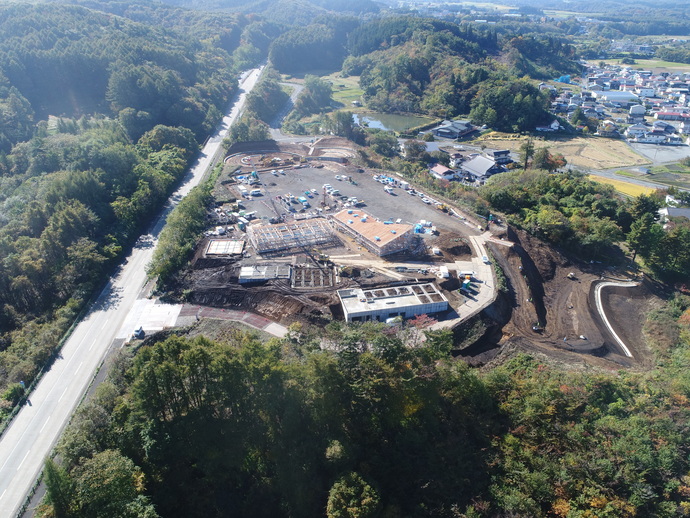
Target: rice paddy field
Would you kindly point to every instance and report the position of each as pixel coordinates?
(580, 152)
(673, 175)
(629, 189)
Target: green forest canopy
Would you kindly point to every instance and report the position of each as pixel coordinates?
(77, 187)
(371, 427)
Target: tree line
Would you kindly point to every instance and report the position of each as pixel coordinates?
(71, 204)
(76, 189)
(359, 420)
(568, 210)
(71, 61)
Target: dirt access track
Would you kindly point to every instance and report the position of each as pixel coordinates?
(551, 309)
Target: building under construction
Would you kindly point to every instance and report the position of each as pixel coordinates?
(379, 237)
(297, 236)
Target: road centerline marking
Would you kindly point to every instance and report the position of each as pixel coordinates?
(63, 393)
(44, 424)
(22, 462)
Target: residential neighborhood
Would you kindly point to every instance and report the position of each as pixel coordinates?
(473, 167)
(639, 105)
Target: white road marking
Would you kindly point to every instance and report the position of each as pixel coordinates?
(3, 494)
(63, 393)
(44, 424)
(22, 462)
(75, 372)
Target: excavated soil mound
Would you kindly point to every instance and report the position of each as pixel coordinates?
(551, 307)
(454, 246)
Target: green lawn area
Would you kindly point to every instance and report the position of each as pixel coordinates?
(345, 89)
(652, 64)
(674, 175)
(671, 168)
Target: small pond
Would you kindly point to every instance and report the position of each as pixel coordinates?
(390, 121)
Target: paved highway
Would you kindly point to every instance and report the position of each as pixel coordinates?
(31, 436)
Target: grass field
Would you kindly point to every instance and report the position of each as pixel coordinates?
(629, 189)
(580, 152)
(488, 6)
(671, 168)
(345, 89)
(673, 175)
(655, 65)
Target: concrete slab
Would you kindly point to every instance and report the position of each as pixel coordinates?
(276, 329)
(150, 314)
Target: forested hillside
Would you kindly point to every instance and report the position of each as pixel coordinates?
(100, 117)
(371, 428)
(285, 12)
(423, 65)
(69, 60)
(319, 45)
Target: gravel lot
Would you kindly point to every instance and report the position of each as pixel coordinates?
(410, 209)
(661, 154)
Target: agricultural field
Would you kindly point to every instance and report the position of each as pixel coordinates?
(629, 189)
(489, 6)
(580, 152)
(557, 13)
(655, 65)
(674, 175)
(345, 89)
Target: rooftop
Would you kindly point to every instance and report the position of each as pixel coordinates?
(357, 300)
(369, 228)
(265, 272)
(618, 95)
(478, 166)
(224, 247)
(442, 170)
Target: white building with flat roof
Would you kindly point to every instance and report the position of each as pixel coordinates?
(617, 96)
(383, 303)
(264, 272)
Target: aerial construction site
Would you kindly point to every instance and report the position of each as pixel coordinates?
(300, 234)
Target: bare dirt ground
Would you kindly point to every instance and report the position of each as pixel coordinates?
(569, 329)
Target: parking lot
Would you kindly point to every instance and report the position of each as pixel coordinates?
(399, 204)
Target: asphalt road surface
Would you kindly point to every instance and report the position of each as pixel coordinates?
(28, 441)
